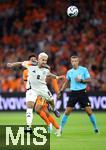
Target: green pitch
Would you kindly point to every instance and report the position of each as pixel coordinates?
(78, 133)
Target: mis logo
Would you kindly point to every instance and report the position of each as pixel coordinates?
(13, 137)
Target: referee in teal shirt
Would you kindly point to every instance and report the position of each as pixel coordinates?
(77, 79)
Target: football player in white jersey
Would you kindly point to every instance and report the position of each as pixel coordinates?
(37, 75)
(36, 84)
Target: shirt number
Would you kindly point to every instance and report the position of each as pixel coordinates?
(38, 76)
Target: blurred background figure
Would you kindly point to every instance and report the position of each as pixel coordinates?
(34, 26)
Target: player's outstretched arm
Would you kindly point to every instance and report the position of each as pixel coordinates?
(25, 64)
(51, 75)
(64, 86)
(10, 65)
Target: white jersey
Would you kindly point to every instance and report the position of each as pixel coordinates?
(37, 80)
(37, 77)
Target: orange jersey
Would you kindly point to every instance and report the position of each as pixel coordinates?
(25, 76)
(42, 102)
(55, 85)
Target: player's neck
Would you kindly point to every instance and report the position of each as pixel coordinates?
(75, 67)
(39, 65)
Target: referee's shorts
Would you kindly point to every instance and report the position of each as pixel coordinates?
(78, 96)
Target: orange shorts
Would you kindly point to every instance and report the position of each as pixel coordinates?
(42, 102)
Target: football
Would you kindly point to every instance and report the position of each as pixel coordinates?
(72, 11)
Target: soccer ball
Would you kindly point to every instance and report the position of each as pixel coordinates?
(72, 11)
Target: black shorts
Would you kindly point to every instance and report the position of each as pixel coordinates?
(78, 96)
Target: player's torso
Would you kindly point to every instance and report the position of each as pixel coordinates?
(77, 73)
(37, 76)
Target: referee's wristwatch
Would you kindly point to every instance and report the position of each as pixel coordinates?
(82, 81)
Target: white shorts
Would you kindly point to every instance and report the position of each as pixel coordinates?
(31, 95)
(46, 94)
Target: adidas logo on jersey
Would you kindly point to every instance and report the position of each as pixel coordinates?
(34, 71)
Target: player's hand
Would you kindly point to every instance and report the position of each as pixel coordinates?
(78, 79)
(9, 65)
(61, 77)
(59, 95)
(51, 104)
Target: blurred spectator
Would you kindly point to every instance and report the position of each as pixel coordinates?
(36, 26)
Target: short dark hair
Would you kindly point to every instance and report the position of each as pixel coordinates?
(74, 56)
(30, 56)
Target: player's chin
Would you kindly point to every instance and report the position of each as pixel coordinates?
(43, 65)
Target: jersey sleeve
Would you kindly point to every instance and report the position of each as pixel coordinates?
(48, 71)
(26, 64)
(67, 76)
(87, 74)
(55, 85)
(25, 74)
(47, 67)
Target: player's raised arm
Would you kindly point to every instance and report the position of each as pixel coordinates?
(64, 86)
(51, 75)
(25, 64)
(55, 86)
(14, 64)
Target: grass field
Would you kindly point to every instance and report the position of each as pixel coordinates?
(78, 133)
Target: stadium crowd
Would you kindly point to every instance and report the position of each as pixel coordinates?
(34, 26)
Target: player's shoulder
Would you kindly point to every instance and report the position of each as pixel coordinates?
(83, 68)
(32, 67)
(69, 71)
(25, 74)
(34, 63)
(47, 67)
(25, 71)
(28, 64)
